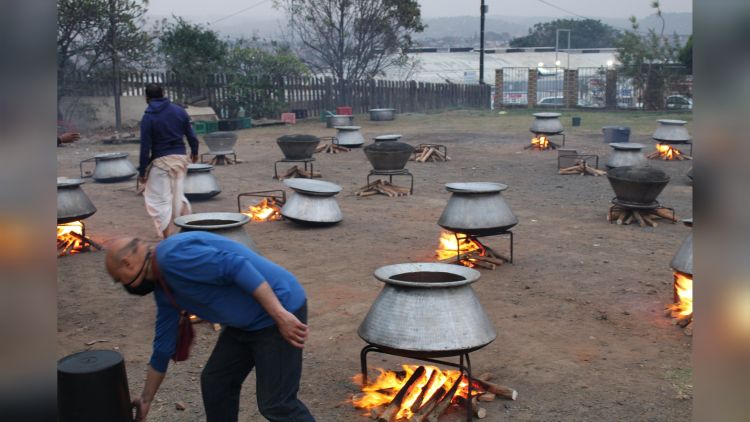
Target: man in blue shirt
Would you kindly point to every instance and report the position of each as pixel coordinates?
(163, 159)
(262, 305)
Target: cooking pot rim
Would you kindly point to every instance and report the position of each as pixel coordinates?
(386, 273)
(111, 155)
(194, 168)
(310, 186)
(475, 187)
(547, 115)
(626, 145)
(185, 220)
(673, 122)
(64, 182)
(352, 128)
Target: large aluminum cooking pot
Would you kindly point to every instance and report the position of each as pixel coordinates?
(637, 185)
(427, 308)
(547, 123)
(220, 143)
(672, 132)
(349, 136)
(683, 259)
(312, 202)
(382, 114)
(72, 202)
(297, 147)
(339, 120)
(626, 154)
(200, 182)
(388, 155)
(110, 167)
(477, 209)
(227, 224)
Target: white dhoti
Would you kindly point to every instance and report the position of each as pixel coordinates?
(164, 192)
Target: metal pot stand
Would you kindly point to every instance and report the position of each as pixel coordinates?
(306, 161)
(277, 195)
(571, 154)
(391, 173)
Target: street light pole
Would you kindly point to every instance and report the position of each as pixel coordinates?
(482, 12)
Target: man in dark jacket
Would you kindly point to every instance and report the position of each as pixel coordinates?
(261, 304)
(163, 160)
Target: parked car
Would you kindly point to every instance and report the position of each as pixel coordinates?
(551, 101)
(679, 102)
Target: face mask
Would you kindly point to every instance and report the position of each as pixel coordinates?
(146, 286)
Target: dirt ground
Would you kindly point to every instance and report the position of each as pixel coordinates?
(581, 333)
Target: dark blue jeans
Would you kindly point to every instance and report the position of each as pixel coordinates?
(278, 368)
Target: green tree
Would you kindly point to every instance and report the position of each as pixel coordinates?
(649, 60)
(686, 55)
(101, 36)
(353, 39)
(256, 78)
(585, 33)
(192, 52)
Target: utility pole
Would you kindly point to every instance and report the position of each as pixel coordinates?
(482, 12)
(113, 8)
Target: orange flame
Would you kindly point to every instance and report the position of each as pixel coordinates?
(68, 243)
(265, 210)
(540, 142)
(450, 243)
(386, 386)
(683, 285)
(668, 151)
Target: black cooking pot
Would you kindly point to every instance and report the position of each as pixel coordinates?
(639, 185)
(388, 155)
(298, 147)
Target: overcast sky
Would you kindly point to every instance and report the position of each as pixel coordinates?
(213, 9)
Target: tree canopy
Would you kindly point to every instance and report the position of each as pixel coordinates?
(585, 33)
(352, 39)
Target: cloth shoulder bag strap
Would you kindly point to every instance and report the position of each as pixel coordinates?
(185, 333)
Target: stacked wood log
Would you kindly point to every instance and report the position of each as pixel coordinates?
(329, 147)
(426, 153)
(487, 258)
(383, 187)
(583, 169)
(75, 242)
(644, 217)
(296, 171)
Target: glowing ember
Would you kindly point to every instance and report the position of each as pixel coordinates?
(386, 386)
(683, 286)
(67, 241)
(451, 243)
(266, 210)
(668, 152)
(541, 142)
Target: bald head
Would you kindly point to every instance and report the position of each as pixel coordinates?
(126, 260)
(117, 250)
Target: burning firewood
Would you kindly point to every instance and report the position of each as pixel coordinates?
(384, 187)
(479, 412)
(667, 152)
(428, 153)
(476, 253)
(295, 171)
(644, 217)
(497, 390)
(391, 411)
(583, 169)
(439, 401)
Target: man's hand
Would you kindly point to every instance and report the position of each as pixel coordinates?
(194, 158)
(293, 331)
(141, 409)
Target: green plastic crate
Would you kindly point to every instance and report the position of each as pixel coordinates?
(211, 126)
(199, 127)
(246, 122)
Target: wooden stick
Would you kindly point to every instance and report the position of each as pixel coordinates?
(491, 260)
(638, 217)
(486, 376)
(629, 218)
(483, 264)
(487, 397)
(424, 411)
(389, 414)
(418, 402)
(445, 401)
(498, 390)
(649, 219)
(688, 330)
(665, 214)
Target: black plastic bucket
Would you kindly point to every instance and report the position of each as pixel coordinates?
(92, 386)
(576, 121)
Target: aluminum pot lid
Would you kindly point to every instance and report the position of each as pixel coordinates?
(389, 137)
(382, 109)
(196, 168)
(627, 145)
(313, 187)
(192, 221)
(688, 222)
(547, 115)
(347, 127)
(64, 182)
(475, 187)
(111, 155)
(672, 122)
(430, 275)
